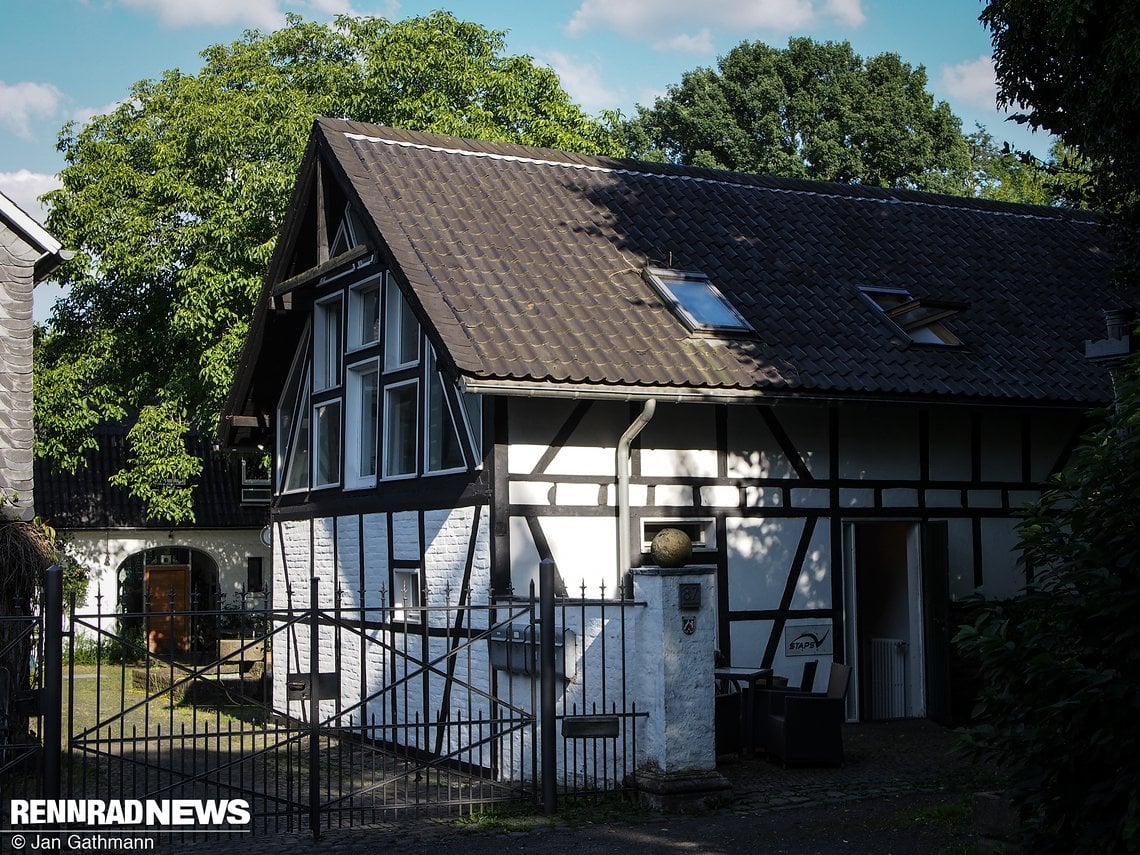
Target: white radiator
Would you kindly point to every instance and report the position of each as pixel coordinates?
(888, 678)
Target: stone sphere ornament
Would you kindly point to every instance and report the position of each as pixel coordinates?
(671, 547)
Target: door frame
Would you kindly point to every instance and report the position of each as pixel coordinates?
(916, 618)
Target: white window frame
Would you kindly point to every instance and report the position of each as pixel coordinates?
(474, 430)
(353, 479)
(406, 610)
(315, 445)
(388, 419)
(303, 413)
(396, 309)
(431, 373)
(327, 354)
(356, 339)
(298, 371)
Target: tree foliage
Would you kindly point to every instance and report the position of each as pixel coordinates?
(812, 110)
(173, 202)
(1060, 665)
(1070, 66)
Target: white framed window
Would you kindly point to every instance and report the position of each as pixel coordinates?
(347, 234)
(327, 343)
(696, 301)
(406, 593)
(326, 443)
(364, 312)
(400, 419)
(473, 415)
(297, 461)
(442, 448)
(401, 330)
(361, 424)
(293, 408)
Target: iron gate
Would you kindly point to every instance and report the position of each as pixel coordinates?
(402, 709)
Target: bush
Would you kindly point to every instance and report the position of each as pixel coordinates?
(1059, 701)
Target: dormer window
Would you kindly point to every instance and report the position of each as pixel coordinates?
(919, 319)
(696, 301)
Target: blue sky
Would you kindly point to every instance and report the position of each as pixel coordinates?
(71, 59)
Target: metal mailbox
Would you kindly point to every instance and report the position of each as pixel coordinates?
(515, 649)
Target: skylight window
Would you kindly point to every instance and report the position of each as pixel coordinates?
(919, 319)
(697, 301)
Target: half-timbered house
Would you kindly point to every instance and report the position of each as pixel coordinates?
(469, 356)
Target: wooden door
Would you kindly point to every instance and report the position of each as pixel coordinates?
(168, 631)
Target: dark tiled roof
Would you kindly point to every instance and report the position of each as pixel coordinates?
(527, 262)
(86, 500)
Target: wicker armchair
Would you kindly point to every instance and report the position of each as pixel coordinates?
(807, 728)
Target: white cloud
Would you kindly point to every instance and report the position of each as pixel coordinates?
(662, 22)
(262, 14)
(971, 82)
(175, 14)
(22, 102)
(24, 188)
(701, 42)
(582, 81)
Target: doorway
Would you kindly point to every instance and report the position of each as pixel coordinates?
(884, 618)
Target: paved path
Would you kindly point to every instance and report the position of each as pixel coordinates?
(901, 790)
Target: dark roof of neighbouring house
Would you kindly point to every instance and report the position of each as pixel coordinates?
(527, 265)
(86, 499)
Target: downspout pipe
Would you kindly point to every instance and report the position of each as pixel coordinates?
(627, 438)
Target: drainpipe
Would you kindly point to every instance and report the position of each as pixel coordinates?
(623, 486)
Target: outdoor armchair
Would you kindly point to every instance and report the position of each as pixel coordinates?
(807, 728)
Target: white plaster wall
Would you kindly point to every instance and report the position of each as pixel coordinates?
(878, 442)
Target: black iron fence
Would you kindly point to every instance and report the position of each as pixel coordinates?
(339, 709)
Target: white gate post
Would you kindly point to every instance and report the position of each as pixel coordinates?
(676, 640)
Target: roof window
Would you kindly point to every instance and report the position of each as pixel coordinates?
(919, 319)
(698, 302)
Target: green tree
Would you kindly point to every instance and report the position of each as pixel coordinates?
(1001, 173)
(173, 202)
(1060, 665)
(813, 110)
(1070, 67)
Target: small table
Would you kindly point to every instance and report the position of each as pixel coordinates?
(745, 678)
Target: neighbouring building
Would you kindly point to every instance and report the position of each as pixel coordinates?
(28, 254)
(137, 564)
(469, 356)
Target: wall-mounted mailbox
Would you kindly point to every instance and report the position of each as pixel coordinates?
(299, 686)
(515, 649)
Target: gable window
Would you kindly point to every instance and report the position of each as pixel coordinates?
(400, 418)
(444, 452)
(364, 313)
(293, 423)
(361, 425)
(401, 330)
(326, 422)
(920, 320)
(406, 593)
(473, 415)
(696, 301)
(326, 344)
(347, 234)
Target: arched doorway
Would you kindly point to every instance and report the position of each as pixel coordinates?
(170, 581)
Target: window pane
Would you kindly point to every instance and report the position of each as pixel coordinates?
(473, 406)
(328, 443)
(401, 331)
(326, 345)
(366, 450)
(444, 451)
(705, 305)
(400, 430)
(289, 404)
(370, 315)
(297, 477)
